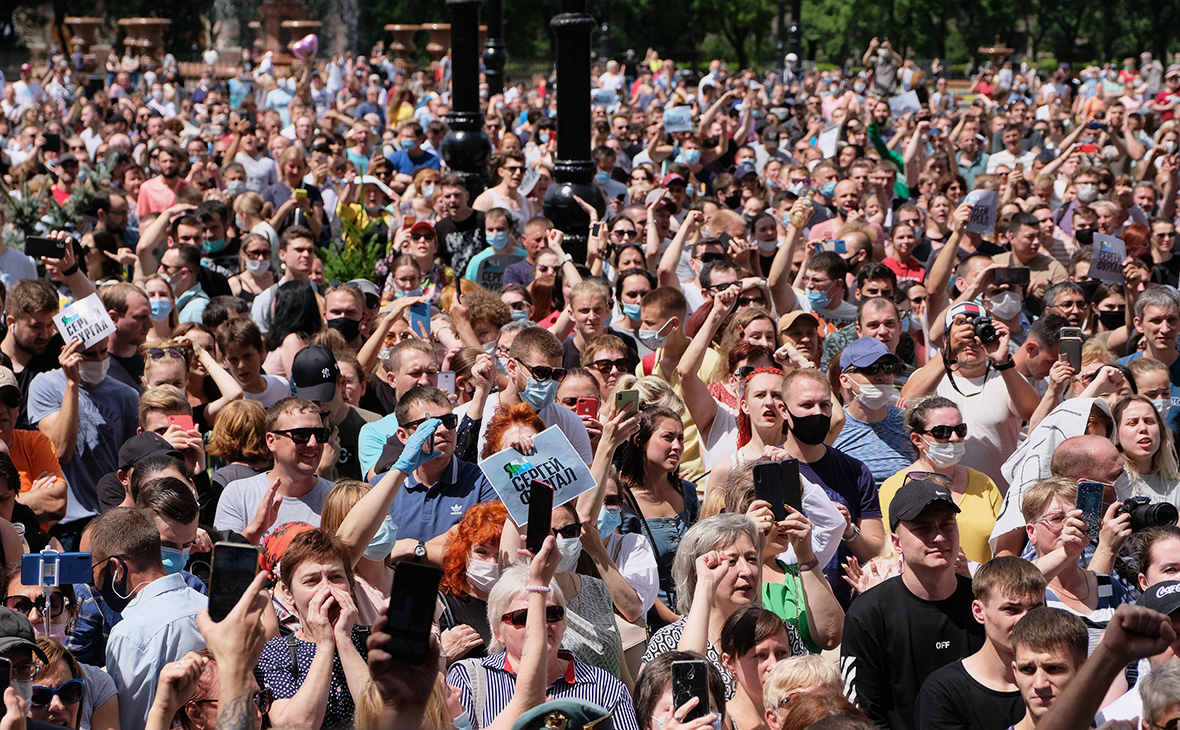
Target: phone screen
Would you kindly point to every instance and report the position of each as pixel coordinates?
(412, 599)
(690, 679)
(1089, 501)
(233, 569)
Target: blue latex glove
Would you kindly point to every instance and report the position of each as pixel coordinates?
(412, 455)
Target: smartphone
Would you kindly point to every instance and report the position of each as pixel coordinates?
(409, 221)
(52, 568)
(624, 397)
(52, 142)
(768, 486)
(185, 422)
(459, 285)
(1019, 166)
(233, 569)
(1071, 348)
(420, 319)
(596, 229)
(1071, 332)
(725, 238)
(300, 193)
(411, 611)
(587, 407)
(540, 515)
(1012, 276)
(1088, 149)
(446, 381)
(836, 246)
(792, 488)
(5, 679)
(1089, 501)
(690, 679)
(38, 246)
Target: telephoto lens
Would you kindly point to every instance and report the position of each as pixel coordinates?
(1145, 513)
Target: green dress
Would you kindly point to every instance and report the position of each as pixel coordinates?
(786, 601)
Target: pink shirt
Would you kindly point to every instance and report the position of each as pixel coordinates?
(155, 196)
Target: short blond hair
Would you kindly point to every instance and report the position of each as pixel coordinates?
(1041, 494)
(794, 673)
(163, 398)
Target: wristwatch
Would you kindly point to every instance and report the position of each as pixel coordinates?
(420, 550)
(810, 564)
(1006, 366)
(855, 533)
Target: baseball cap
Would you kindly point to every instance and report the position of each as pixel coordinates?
(864, 352)
(970, 309)
(67, 157)
(16, 632)
(672, 177)
(423, 227)
(788, 319)
(144, 444)
(8, 379)
(371, 180)
(792, 57)
(745, 169)
(315, 373)
(1163, 597)
(369, 289)
(914, 497)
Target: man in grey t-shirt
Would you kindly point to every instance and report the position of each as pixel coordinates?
(884, 61)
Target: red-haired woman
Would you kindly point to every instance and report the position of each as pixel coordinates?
(471, 566)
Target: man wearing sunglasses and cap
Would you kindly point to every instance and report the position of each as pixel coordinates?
(874, 428)
(18, 645)
(911, 625)
(316, 376)
(295, 435)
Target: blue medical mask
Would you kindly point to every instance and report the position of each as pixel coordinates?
(462, 722)
(214, 246)
(410, 145)
(235, 187)
(161, 308)
(520, 315)
(602, 178)
(398, 294)
(817, 299)
(499, 239)
(609, 520)
(828, 189)
(692, 157)
(653, 340)
(174, 560)
(539, 394)
(502, 365)
(631, 311)
(382, 543)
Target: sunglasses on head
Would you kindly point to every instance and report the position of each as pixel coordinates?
(569, 531)
(929, 476)
(57, 603)
(302, 436)
(944, 432)
(156, 353)
(743, 372)
(710, 256)
(890, 368)
(10, 398)
(449, 420)
(606, 366)
(70, 693)
(544, 372)
(553, 615)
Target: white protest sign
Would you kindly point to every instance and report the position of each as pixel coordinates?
(554, 462)
(529, 181)
(678, 119)
(906, 101)
(983, 214)
(827, 140)
(86, 320)
(1106, 259)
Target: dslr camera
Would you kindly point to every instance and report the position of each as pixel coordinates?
(1144, 513)
(985, 330)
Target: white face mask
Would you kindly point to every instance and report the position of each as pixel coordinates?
(256, 267)
(1005, 304)
(93, 372)
(945, 455)
(873, 397)
(482, 574)
(1163, 405)
(570, 549)
(1087, 192)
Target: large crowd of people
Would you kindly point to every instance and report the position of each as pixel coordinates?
(952, 312)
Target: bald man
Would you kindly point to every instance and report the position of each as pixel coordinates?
(846, 203)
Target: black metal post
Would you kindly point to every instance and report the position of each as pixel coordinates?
(495, 51)
(795, 34)
(780, 47)
(573, 171)
(607, 42)
(466, 147)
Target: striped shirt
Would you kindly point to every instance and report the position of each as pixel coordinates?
(579, 680)
(1110, 595)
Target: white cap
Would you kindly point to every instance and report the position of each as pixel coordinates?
(792, 57)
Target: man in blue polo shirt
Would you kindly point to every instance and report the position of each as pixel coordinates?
(437, 494)
(411, 157)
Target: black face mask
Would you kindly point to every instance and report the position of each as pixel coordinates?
(810, 430)
(349, 328)
(734, 200)
(1114, 319)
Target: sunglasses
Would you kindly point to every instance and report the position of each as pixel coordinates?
(569, 531)
(890, 368)
(156, 353)
(708, 257)
(10, 398)
(749, 301)
(606, 366)
(930, 476)
(553, 615)
(302, 436)
(57, 603)
(624, 233)
(70, 693)
(1172, 724)
(422, 236)
(449, 420)
(544, 372)
(743, 372)
(944, 432)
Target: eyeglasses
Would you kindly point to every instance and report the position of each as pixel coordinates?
(569, 531)
(10, 398)
(26, 672)
(395, 337)
(519, 306)
(748, 301)
(944, 432)
(156, 353)
(258, 255)
(57, 603)
(1053, 521)
(449, 420)
(930, 476)
(625, 233)
(544, 372)
(513, 169)
(889, 368)
(606, 366)
(70, 693)
(710, 256)
(553, 615)
(1169, 725)
(1079, 304)
(263, 699)
(302, 436)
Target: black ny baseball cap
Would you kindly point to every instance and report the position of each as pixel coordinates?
(315, 373)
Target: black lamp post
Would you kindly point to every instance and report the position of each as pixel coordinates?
(573, 171)
(607, 42)
(780, 46)
(495, 52)
(466, 147)
(795, 33)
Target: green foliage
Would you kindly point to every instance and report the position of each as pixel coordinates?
(355, 255)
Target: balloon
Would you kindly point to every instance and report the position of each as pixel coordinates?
(306, 48)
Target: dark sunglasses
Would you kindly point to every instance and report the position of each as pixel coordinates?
(422, 236)
(302, 436)
(606, 366)
(624, 233)
(930, 476)
(569, 531)
(553, 615)
(10, 398)
(449, 420)
(709, 256)
(748, 301)
(57, 603)
(156, 353)
(544, 372)
(890, 368)
(1172, 724)
(70, 693)
(944, 432)
(744, 372)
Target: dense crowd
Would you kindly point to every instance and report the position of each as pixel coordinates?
(952, 313)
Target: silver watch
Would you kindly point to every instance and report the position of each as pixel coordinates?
(855, 533)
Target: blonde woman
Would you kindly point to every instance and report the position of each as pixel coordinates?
(1146, 445)
(252, 215)
(163, 303)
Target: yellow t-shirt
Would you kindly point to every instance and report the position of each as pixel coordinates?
(692, 463)
(980, 506)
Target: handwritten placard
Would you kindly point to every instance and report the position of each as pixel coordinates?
(554, 462)
(983, 212)
(86, 320)
(1106, 259)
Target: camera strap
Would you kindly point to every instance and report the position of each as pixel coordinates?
(950, 376)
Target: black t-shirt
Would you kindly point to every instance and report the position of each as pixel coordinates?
(379, 397)
(128, 370)
(42, 363)
(951, 699)
(894, 640)
(471, 611)
(459, 241)
(1166, 273)
(348, 465)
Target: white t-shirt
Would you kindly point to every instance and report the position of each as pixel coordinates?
(16, 266)
(721, 441)
(993, 426)
(276, 390)
(636, 562)
(239, 503)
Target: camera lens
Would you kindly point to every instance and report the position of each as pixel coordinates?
(1153, 515)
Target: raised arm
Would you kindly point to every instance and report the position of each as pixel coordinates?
(778, 280)
(666, 271)
(62, 426)
(702, 406)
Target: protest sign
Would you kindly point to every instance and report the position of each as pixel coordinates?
(86, 320)
(1106, 259)
(554, 462)
(983, 214)
(678, 119)
(827, 141)
(906, 101)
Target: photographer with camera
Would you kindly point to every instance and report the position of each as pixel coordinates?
(977, 372)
